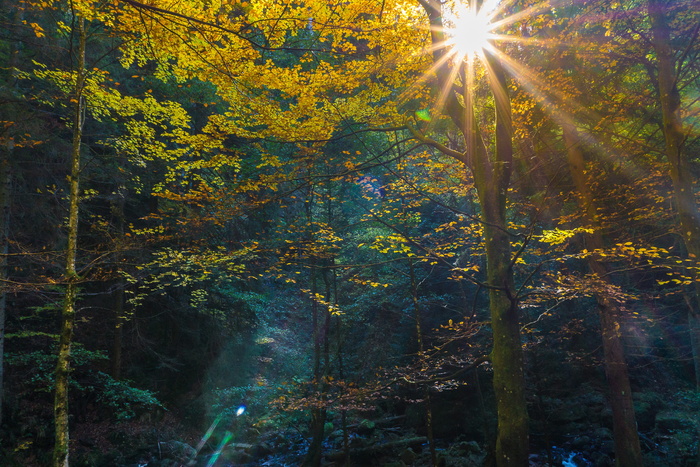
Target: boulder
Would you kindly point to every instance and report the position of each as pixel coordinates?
(669, 421)
(407, 456)
(177, 450)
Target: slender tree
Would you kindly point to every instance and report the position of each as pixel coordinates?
(627, 448)
(68, 311)
(5, 195)
(7, 150)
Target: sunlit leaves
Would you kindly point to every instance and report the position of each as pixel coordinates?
(332, 308)
(38, 30)
(169, 267)
(557, 236)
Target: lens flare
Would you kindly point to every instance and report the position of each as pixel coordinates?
(208, 434)
(423, 115)
(227, 437)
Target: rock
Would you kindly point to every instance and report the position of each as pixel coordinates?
(607, 447)
(87, 442)
(646, 406)
(669, 421)
(602, 460)
(580, 442)
(180, 451)
(365, 427)
(261, 450)
(336, 435)
(463, 448)
(603, 433)
(407, 456)
(568, 413)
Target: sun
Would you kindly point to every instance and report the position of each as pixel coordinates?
(469, 30)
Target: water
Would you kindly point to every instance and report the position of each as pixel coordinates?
(561, 457)
(571, 458)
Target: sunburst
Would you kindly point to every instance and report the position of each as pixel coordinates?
(469, 30)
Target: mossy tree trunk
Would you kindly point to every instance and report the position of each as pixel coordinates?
(491, 173)
(507, 355)
(62, 373)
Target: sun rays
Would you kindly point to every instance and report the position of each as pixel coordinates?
(468, 30)
(477, 35)
(474, 41)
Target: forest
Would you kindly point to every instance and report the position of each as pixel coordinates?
(349, 233)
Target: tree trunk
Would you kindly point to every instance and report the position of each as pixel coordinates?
(507, 354)
(628, 452)
(60, 455)
(319, 323)
(421, 348)
(318, 414)
(315, 451)
(627, 449)
(694, 328)
(118, 295)
(5, 193)
(5, 203)
(492, 179)
(321, 368)
(116, 355)
(681, 177)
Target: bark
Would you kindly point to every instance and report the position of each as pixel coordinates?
(318, 414)
(118, 295)
(426, 390)
(60, 455)
(627, 448)
(492, 178)
(5, 193)
(116, 355)
(507, 354)
(681, 177)
(5, 202)
(321, 320)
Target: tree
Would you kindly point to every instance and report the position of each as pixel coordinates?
(627, 448)
(7, 143)
(491, 178)
(68, 311)
(675, 135)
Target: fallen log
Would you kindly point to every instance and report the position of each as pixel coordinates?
(243, 446)
(373, 449)
(381, 421)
